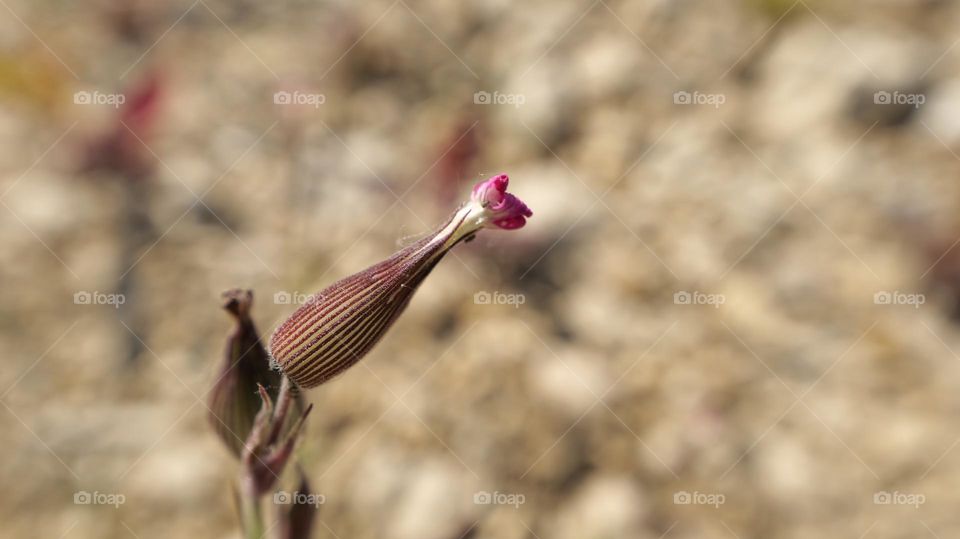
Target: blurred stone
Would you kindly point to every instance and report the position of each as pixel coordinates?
(605, 506)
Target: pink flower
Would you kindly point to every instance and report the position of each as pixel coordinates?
(336, 327)
(505, 210)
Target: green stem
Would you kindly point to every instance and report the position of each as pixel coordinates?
(251, 515)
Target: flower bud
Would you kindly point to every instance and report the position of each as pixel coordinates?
(234, 402)
(296, 519)
(336, 327)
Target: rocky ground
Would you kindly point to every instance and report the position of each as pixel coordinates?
(733, 314)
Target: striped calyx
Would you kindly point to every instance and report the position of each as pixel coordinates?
(336, 327)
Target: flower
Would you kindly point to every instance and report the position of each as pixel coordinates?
(336, 327)
(503, 209)
(122, 149)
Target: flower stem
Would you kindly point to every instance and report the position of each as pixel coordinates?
(251, 515)
(266, 434)
(284, 399)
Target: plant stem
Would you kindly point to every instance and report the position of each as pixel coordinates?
(284, 398)
(251, 515)
(250, 492)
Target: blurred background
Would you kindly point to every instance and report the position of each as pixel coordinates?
(734, 313)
